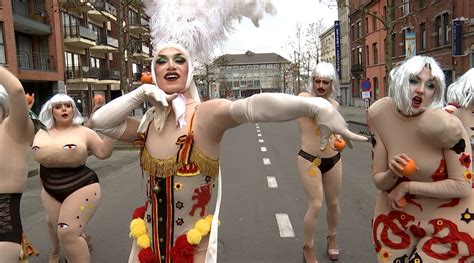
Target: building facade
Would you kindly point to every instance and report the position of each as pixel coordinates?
(242, 75)
(30, 46)
(423, 27)
(345, 81)
(93, 59)
(328, 47)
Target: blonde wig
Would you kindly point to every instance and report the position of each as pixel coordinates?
(189, 81)
(4, 103)
(325, 70)
(462, 90)
(46, 114)
(399, 87)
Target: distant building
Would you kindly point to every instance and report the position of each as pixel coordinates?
(328, 50)
(343, 16)
(242, 75)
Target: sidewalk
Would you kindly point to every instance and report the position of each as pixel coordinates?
(354, 114)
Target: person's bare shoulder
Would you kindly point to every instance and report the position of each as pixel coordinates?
(305, 94)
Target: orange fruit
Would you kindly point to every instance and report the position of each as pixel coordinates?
(99, 99)
(409, 168)
(339, 144)
(29, 98)
(402, 202)
(146, 78)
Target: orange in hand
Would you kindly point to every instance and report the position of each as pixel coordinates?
(339, 144)
(146, 78)
(402, 202)
(29, 98)
(409, 168)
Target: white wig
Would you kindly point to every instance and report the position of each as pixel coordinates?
(189, 81)
(46, 114)
(325, 70)
(462, 90)
(4, 102)
(399, 87)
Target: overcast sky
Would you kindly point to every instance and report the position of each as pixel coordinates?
(275, 31)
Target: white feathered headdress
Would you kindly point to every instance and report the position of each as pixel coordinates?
(200, 25)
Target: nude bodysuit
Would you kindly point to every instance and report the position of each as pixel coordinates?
(427, 229)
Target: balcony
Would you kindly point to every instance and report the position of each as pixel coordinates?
(103, 11)
(82, 75)
(136, 79)
(108, 76)
(357, 68)
(138, 25)
(79, 36)
(81, 6)
(140, 51)
(35, 61)
(104, 44)
(30, 19)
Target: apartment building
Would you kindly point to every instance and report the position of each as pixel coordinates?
(343, 16)
(30, 46)
(93, 61)
(440, 29)
(328, 47)
(242, 75)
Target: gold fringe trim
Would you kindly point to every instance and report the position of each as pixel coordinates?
(169, 167)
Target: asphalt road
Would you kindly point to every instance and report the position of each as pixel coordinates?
(249, 231)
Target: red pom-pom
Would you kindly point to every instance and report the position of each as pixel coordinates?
(139, 212)
(182, 250)
(146, 256)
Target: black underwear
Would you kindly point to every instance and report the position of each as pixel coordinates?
(326, 163)
(61, 182)
(10, 221)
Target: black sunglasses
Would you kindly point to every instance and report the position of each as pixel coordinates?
(325, 82)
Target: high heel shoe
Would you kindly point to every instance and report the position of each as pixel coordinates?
(308, 255)
(333, 253)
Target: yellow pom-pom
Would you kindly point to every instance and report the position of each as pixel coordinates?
(208, 219)
(137, 227)
(193, 236)
(143, 241)
(203, 226)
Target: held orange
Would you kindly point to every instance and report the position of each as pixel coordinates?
(409, 168)
(146, 78)
(402, 202)
(29, 98)
(98, 99)
(339, 144)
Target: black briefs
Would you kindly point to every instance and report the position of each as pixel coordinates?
(326, 163)
(11, 229)
(61, 182)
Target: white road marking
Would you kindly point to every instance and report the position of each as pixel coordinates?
(266, 161)
(284, 225)
(272, 182)
(260, 140)
(258, 130)
(263, 149)
(259, 135)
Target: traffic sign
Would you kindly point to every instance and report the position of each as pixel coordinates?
(365, 85)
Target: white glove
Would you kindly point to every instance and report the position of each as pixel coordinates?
(110, 118)
(277, 107)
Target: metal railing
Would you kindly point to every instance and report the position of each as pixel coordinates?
(82, 72)
(35, 61)
(77, 31)
(30, 11)
(106, 40)
(101, 5)
(109, 74)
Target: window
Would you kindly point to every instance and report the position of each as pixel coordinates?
(406, 7)
(359, 55)
(375, 50)
(367, 24)
(393, 44)
(423, 36)
(3, 59)
(256, 83)
(236, 83)
(376, 88)
(242, 83)
(359, 30)
(374, 22)
(384, 12)
(446, 27)
(421, 4)
(367, 55)
(439, 30)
